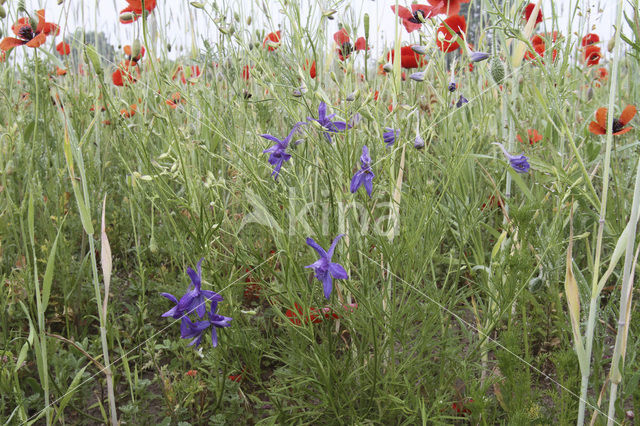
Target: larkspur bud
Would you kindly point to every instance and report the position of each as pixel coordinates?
(420, 50)
(418, 143)
(462, 101)
(452, 86)
(418, 76)
(478, 56)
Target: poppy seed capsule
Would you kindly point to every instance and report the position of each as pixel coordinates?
(248, 20)
(497, 70)
(135, 49)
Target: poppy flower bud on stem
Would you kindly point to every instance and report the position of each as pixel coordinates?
(497, 70)
(3, 13)
(136, 47)
(420, 50)
(366, 26)
(388, 67)
(197, 5)
(92, 55)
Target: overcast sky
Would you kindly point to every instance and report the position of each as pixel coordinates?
(174, 18)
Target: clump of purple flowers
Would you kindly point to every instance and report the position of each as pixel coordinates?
(325, 121)
(195, 300)
(364, 176)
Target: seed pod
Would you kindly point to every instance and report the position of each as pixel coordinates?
(92, 55)
(366, 26)
(497, 70)
(248, 20)
(3, 13)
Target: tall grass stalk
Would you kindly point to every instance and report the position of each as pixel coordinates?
(585, 364)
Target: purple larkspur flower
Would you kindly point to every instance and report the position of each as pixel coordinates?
(462, 101)
(364, 176)
(519, 163)
(278, 152)
(328, 125)
(390, 136)
(326, 270)
(453, 86)
(478, 56)
(194, 299)
(194, 330)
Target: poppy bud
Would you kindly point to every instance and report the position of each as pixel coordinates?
(3, 13)
(248, 20)
(60, 1)
(333, 77)
(153, 246)
(388, 67)
(197, 5)
(168, 47)
(92, 55)
(497, 70)
(236, 17)
(366, 26)
(611, 44)
(329, 13)
(127, 17)
(135, 48)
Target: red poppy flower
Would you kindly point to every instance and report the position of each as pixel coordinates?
(125, 73)
(61, 71)
(315, 315)
(27, 34)
(413, 18)
(598, 127)
(63, 48)
(190, 73)
(345, 47)
(192, 373)
(540, 46)
(175, 100)
(408, 58)
(246, 72)
(529, 10)
(590, 39)
(312, 69)
(592, 55)
(128, 53)
(272, 41)
(446, 7)
(132, 12)
(534, 137)
(602, 74)
(130, 112)
(444, 39)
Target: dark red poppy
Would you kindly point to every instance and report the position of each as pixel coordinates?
(246, 72)
(408, 58)
(533, 137)
(272, 41)
(529, 10)
(312, 69)
(192, 373)
(446, 7)
(315, 315)
(134, 10)
(413, 18)
(444, 39)
(592, 55)
(63, 48)
(27, 34)
(590, 39)
(345, 47)
(598, 127)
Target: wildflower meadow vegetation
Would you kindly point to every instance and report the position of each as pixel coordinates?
(299, 221)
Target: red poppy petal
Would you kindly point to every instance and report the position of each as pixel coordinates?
(361, 44)
(341, 37)
(38, 40)
(628, 113)
(41, 21)
(596, 129)
(403, 12)
(623, 131)
(601, 117)
(9, 43)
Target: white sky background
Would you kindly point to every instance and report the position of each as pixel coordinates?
(174, 17)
